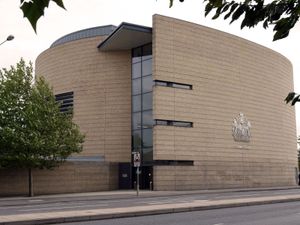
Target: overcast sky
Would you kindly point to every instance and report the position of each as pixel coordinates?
(81, 14)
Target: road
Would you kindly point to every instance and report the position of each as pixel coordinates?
(272, 214)
(44, 204)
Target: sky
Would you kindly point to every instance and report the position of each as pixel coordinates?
(81, 14)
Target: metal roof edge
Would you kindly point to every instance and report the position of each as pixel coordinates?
(129, 26)
(85, 33)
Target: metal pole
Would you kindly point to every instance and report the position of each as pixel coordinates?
(137, 180)
(3, 42)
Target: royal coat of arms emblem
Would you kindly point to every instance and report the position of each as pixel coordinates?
(241, 128)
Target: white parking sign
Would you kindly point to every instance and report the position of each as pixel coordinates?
(136, 159)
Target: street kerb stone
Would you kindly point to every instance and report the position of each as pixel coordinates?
(100, 214)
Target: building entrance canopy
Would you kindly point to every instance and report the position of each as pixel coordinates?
(127, 36)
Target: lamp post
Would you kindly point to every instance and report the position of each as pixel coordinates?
(9, 38)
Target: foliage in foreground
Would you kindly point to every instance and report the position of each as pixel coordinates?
(33, 131)
(284, 14)
(292, 98)
(34, 9)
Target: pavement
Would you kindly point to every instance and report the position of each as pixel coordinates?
(35, 218)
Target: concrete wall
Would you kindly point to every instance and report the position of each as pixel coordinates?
(68, 178)
(101, 82)
(229, 75)
(102, 87)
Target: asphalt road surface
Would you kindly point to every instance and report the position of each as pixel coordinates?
(42, 205)
(272, 214)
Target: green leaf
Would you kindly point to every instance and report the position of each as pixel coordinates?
(218, 3)
(233, 7)
(225, 8)
(279, 35)
(217, 14)
(60, 3)
(239, 11)
(295, 100)
(266, 24)
(289, 97)
(244, 22)
(208, 8)
(34, 9)
(275, 16)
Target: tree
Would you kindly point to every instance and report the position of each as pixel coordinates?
(33, 131)
(283, 14)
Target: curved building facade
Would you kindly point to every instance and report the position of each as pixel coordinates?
(203, 108)
(243, 134)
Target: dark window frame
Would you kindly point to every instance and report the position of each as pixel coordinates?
(175, 123)
(173, 162)
(65, 101)
(163, 83)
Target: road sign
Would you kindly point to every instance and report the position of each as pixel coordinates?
(136, 159)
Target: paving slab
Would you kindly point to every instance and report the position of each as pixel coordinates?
(130, 211)
(121, 194)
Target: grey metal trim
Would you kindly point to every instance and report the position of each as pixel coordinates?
(86, 33)
(85, 159)
(128, 26)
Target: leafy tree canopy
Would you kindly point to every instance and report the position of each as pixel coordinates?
(33, 131)
(283, 14)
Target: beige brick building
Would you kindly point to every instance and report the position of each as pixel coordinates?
(204, 108)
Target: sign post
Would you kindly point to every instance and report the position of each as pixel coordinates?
(137, 164)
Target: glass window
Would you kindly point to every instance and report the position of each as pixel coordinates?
(136, 55)
(161, 122)
(136, 70)
(161, 83)
(142, 87)
(147, 138)
(147, 154)
(147, 101)
(173, 123)
(147, 67)
(136, 140)
(182, 124)
(174, 85)
(182, 86)
(136, 86)
(136, 120)
(147, 51)
(147, 119)
(147, 83)
(65, 102)
(136, 103)
(146, 57)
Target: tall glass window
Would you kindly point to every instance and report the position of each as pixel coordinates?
(142, 85)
